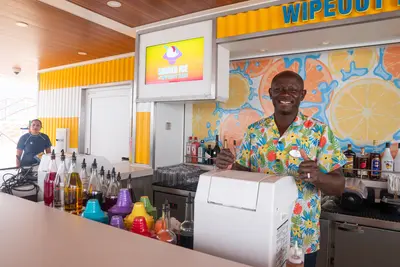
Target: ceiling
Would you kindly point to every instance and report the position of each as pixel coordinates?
(134, 13)
(59, 29)
(365, 34)
(53, 37)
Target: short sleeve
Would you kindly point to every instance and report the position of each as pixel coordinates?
(243, 156)
(21, 142)
(48, 142)
(330, 156)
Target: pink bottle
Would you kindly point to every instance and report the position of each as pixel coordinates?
(48, 193)
(194, 150)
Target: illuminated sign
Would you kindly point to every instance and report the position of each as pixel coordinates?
(175, 62)
(308, 10)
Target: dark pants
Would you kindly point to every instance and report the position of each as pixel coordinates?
(310, 260)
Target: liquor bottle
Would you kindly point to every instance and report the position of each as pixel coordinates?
(59, 182)
(362, 163)
(94, 188)
(216, 150)
(208, 155)
(85, 182)
(387, 162)
(189, 150)
(194, 151)
(73, 192)
(51, 174)
(351, 162)
(375, 162)
(112, 193)
(397, 160)
(166, 234)
(187, 227)
(200, 153)
(235, 149)
(130, 189)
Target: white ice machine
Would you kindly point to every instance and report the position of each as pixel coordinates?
(244, 216)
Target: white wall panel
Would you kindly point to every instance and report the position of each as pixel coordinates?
(59, 103)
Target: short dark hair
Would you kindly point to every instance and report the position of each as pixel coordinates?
(288, 74)
(41, 124)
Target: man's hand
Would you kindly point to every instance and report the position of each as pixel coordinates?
(308, 169)
(330, 183)
(225, 159)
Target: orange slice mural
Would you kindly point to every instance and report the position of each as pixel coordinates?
(316, 73)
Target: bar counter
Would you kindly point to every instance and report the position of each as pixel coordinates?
(34, 235)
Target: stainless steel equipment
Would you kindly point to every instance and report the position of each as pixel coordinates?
(174, 183)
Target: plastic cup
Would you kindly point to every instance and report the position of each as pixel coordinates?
(139, 226)
(93, 212)
(123, 206)
(124, 199)
(117, 221)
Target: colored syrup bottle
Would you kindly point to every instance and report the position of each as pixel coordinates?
(187, 227)
(85, 182)
(59, 183)
(94, 188)
(73, 193)
(48, 194)
(112, 193)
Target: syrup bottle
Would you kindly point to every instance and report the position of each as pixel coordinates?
(112, 193)
(166, 234)
(85, 182)
(73, 192)
(49, 181)
(59, 183)
(94, 188)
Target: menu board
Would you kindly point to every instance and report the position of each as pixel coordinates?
(175, 62)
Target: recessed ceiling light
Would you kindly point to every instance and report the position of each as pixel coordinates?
(114, 4)
(82, 53)
(263, 50)
(21, 24)
(326, 42)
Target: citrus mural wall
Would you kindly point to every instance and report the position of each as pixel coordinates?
(355, 91)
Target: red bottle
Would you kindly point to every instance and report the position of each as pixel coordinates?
(48, 193)
(194, 150)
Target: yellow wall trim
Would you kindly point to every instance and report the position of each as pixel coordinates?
(272, 18)
(142, 150)
(51, 124)
(117, 70)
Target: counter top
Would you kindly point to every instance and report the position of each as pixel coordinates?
(38, 236)
(136, 170)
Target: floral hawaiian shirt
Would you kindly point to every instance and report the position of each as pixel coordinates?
(264, 150)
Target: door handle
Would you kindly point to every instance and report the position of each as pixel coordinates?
(351, 228)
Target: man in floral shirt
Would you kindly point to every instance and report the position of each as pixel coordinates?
(266, 148)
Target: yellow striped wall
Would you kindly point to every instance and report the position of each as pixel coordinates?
(271, 18)
(59, 99)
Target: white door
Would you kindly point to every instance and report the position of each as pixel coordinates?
(107, 130)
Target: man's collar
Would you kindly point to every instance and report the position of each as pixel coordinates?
(299, 120)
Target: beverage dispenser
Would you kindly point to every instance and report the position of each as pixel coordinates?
(244, 216)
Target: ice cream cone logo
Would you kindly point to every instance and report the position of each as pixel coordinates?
(172, 54)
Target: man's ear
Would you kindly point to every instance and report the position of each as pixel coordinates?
(303, 94)
(269, 91)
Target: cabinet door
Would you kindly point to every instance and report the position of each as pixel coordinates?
(365, 246)
(325, 243)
